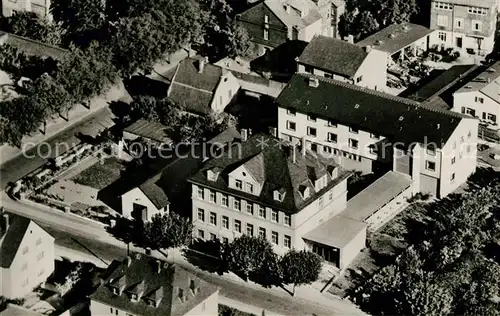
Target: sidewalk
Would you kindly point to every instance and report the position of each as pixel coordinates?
(57, 125)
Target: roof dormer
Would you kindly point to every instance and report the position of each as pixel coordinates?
(137, 291)
(279, 195)
(213, 174)
(320, 183)
(304, 191)
(154, 298)
(332, 171)
(118, 285)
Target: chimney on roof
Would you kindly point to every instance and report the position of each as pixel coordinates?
(244, 134)
(129, 261)
(273, 131)
(249, 132)
(367, 48)
(5, 223)
(201, 65)
(349, 39)
(158, 266)
(303, 146)
(313, 82)
(287, 8)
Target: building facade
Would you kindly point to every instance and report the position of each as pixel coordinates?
(465, 25)
(367, 130)
(40, 7)
(263, 192)
(346, 62)
(26, 256)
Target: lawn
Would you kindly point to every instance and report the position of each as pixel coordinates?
(100, 175)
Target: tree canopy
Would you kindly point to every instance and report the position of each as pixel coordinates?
(248, 254)
(30, 25)
(168, 231)
(300, 267)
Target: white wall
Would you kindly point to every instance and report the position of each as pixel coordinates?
(467, 42)
(306, 34)
(98, 308)
(352, 249)
(137, 196)
(41, 7)
(208, 307)
(467, 100)
(374, 71)
(226, 89)
(35, 266)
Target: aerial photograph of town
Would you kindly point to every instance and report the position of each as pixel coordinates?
(249, 157)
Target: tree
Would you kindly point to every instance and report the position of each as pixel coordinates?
(223, 36)
(270, 272)
(427, 297)
(48, 94)
(160, 110)
(81, 19)
(29, 24)
(366, 24)
(168, 231)
(248, 254)
(300, 267)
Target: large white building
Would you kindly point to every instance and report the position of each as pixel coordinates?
(26, 256)
(40, 7)
(368, 130)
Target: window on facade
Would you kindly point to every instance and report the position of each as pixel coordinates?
(24, 266)
(311, 118)
(275, 238)
(287, 241)
(309, 69)
(213, 237)
(442, 36)
(470, 111)
(442, 20)
(225, 222)
(201, 234)
(201, 193)
(311, 131)
(320, 202)
(332, 137)
(492, 117)
(353, 143)
(224, 200)
(225, 240)
(291, 125)
(469, 135)
(250, 187)
(287, 220)
(249, 208)
(262, 211)
(238, 184)
(266, 34)
(327, 149)
(213, 218)
(249, 229)
(479, 100)
(212, 196)
(237, 226)
(431, 150)
(443, 6)
(453, 159)
(353, 130)
(328, 75)
(274, 216)
(237, 204)
(479, 11)
(262, 232)
(359, 79)
(38, 241)
(291, 112)
(477, 25)
(201, 215)
(266, 18)
(459, 23)
(452, 178)
(430, 165)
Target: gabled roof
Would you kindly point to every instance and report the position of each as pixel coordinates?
(292, 18)
(158, 283)
(149, 130)
(398, 119)
(192, 89)
(10, 240)
(256, 167)
(31, 47)
(395, 37)
(154, 192)
(333, 55)
(487, 82)
(275, 164)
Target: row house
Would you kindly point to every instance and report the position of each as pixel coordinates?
(337, 59)
(264, 187)
(465, 25)
(368, 130)
(272, 23)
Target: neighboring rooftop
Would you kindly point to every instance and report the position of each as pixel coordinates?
(474, 3)
(191, 88)
(300, 13)
(16, 310)
(487, 82)
(149, 130)
(31, 47)
(11, 236)
(271, 163)
(396, 118)
(333, 55)
(144, 286)
(395, 37)
(336, 232)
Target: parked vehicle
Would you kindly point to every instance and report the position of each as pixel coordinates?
(482, 147)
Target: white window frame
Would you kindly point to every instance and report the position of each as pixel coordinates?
(237, 202)
(332, 137)
(275, 238)
(459, 23)
(201, 215)
(262, 211)
(266, 34)
(237, 226)
(310, 131)
(353, 143)
(225, 222)
(213, 196)
(287, 241)
(442, 36)
(214, 221)
(238, 184)
(287, 220)
(428, 165)
(224, 200)
(289, 125)
(479, 25)
(274, 216)
(442, 20)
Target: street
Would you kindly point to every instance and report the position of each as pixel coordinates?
(91, 240)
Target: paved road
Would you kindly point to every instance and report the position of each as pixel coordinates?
(82, 235)
(23, 164)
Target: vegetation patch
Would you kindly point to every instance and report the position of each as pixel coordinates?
(100, 175)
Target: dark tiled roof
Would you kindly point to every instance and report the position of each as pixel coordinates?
(164, 284)
(154, 192)
(192, 100)
(12, 239)
(150, 130)
(333, 55)
(395, 37)
(31, 47)
(401, 120)
(277, 168)
(15, 310)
